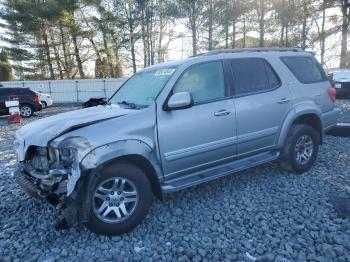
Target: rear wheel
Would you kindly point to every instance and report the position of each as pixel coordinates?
(26, 110)
(44, 104)
(120, 200)
(301, 149)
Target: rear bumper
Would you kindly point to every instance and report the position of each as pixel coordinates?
(342, 88)
(48, 102)
(37, 107)
(329, 119)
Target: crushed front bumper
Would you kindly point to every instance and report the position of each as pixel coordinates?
(28, 184)
(73, 206)
(41, 187)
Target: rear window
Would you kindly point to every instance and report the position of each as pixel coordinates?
(341, 76)
(306, 69)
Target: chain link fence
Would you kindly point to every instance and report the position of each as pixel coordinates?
(63, 91)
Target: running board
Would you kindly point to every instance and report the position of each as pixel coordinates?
(218, 171)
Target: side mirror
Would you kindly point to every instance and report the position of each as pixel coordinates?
(180, 100)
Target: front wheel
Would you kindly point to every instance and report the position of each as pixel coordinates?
(120, 200)
(301, 149)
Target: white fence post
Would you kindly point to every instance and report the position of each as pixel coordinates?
(76, 88)
(104, 88)
(50, 88)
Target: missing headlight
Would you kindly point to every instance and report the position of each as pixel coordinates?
(68, 155)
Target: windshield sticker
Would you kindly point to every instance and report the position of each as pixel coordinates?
(165, 72)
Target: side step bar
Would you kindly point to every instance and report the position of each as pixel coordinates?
(219, 171)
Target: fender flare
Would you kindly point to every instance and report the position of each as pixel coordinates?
(104, 154)
(292, 115)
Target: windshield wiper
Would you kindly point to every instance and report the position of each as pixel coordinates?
(129, 104)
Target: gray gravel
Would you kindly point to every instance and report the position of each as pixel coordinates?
(262, 213)
(344, 105)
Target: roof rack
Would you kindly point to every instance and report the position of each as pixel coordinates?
(248, 50)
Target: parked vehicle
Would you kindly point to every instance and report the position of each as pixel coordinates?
(176, 125)
(45, 99)
(340, 80)
(29, 101)
(95, 101)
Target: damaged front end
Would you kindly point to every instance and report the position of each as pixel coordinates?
(42, 176)
(52, 172)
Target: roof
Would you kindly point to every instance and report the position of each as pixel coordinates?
(252, 50)
(175, 63)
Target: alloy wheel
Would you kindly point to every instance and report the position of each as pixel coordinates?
(304, 148)
(115, 200)
(26, 111)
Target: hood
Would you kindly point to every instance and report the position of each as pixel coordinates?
(41, 131)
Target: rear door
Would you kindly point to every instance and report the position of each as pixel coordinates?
(203, 135)
(262, 102)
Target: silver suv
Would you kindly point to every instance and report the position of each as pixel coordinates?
(176, 125)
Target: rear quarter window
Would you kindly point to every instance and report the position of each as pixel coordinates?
(306, 69)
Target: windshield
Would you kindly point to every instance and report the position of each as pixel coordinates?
(142, 88)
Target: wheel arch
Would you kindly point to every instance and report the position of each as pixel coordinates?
(311, 117)
(135, 152)
(312, 120)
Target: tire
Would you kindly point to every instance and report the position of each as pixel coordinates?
(114, 198)
(290, 159)
(44, 104)
(26, 110)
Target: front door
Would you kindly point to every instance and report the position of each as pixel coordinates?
(204, 135)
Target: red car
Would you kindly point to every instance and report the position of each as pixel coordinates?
(29, 101)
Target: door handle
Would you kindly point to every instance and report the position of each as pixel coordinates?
(283, 100)
(222, 112)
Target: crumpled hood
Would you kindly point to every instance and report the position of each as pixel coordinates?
(41, 131)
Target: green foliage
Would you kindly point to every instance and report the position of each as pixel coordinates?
(5, 67)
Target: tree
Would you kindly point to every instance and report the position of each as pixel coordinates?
(261, 10)
(28, 25)
(345, 10)
(5, 67)
(50, 39)
(192, 11)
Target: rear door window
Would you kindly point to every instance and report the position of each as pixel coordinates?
(305, 68)
(253, 75)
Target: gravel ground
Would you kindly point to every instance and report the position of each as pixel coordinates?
(344, 105)
(261, 214)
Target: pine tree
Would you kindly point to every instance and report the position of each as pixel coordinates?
(5, 67)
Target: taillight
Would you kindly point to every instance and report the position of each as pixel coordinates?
(332, 93)
(37, 99)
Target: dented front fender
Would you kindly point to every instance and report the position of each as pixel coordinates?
(106, 153)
